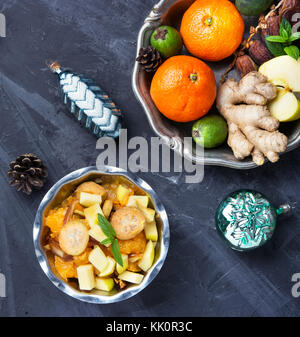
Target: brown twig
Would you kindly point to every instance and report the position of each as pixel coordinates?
(230, 67)
(274, 9)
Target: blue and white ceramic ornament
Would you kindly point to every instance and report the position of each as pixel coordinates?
(246, 219)
(89, 103)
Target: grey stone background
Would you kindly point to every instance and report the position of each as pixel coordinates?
(202, 276)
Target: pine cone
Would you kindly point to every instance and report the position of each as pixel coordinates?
(149, 58)
(27, 172)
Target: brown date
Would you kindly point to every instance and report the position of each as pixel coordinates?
(245, 64)
(271, 27)
(259, 52)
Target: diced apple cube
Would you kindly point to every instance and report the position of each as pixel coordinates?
(121, 269)
(110, 268)
(98, 259)
(105, 284)
(131, 202)
(149, 214)
(91, 214)
(96, 233)
(134, 258)
(86, 278)
(107, 207)
(122, 195)
(131, 277)
(79, 213)
(148, 257)
(88, 199)
(151, 231)
(138, 201)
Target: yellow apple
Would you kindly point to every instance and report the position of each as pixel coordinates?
(131, 277)
(121, 269)
(88, 199)
(110, 268)
(283, 71)
(107, 207)
(79, 212)
(138, 201)
(98, 259)
(151, 231)
(96, 233)
(285, 107)
(91, 214)
(86, 278)
(149, 213)
(105, 284)
(148, 257)
(122, 195)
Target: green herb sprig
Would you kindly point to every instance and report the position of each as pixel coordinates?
(283, 44)
(108, 230)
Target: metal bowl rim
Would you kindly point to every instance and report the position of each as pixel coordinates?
(93, 298)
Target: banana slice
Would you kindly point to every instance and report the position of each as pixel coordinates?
(128, 222)
(90, 187)
(74, 237)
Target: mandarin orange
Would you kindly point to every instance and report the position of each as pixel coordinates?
(212, 29)
(66, 269)
(183, 88)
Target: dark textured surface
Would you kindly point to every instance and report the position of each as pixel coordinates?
(202, 276)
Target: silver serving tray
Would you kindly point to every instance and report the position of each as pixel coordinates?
(57, 194)
(170, 12)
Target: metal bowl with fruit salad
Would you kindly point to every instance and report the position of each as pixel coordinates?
(101, 236)
(170, 12)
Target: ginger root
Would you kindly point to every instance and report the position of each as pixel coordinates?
(251, 128)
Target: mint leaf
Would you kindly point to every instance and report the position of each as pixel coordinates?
(285, 29)
(284, 35)
(108, 230)
(116, 252)
(292, 51)
(106, 227)
(294, 37)
(276, 38)
(277, 49)
(106, 241)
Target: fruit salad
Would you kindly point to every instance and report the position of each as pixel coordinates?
(102, 236)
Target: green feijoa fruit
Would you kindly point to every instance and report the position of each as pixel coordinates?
(210, 131)
(253, 7)
(167, 40)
